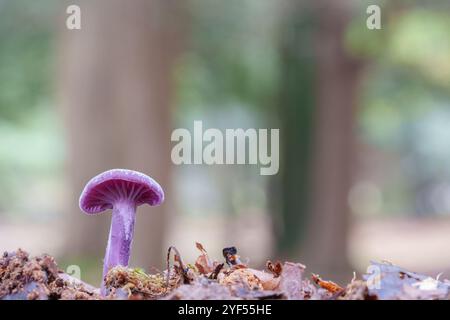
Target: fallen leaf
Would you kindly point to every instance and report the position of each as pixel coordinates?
(276, 268)
(203, 262)
(327, 285)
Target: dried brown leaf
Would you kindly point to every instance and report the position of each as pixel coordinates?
(200, 247)
(327, 285)
(276, 268)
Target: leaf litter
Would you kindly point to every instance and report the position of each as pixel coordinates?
(39, 278)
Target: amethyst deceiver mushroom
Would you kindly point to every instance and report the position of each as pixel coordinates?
(122, 191)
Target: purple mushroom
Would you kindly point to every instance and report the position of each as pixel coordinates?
(122, 191)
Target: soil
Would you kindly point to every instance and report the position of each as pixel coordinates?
(38, 278)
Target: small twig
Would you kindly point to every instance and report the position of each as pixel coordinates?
(216, 271)
(177, 257)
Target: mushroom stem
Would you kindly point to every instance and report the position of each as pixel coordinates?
(122, 191)
(120, 237)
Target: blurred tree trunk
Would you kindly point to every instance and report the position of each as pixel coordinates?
(333, 155)
(116, 92)
(318, 96)
(296, 105)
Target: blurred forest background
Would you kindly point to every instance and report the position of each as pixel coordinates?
(364, 118)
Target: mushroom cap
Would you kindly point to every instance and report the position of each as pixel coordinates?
(115, 185)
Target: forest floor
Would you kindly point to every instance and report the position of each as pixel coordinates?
(39, 278)
(370, 239)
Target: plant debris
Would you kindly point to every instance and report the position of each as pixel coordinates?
(388, 281)
(231, 257)
(328, 285)
(39, 278)
(125, 283)
(184, 272)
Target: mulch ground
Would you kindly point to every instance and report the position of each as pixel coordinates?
(24, 277)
